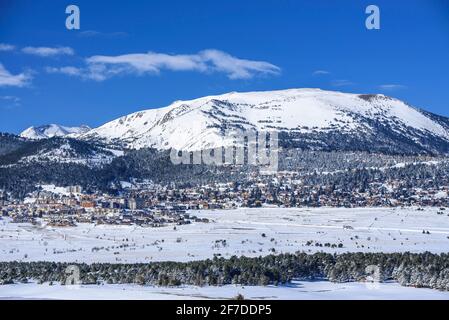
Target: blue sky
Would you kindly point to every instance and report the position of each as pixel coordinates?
(136, 55)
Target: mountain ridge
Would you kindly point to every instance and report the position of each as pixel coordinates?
(305, 118)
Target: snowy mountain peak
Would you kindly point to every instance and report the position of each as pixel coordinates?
(307, 118)
(52, 130)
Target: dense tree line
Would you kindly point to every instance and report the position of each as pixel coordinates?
(14, 149)
(22, 178)
(409, 269)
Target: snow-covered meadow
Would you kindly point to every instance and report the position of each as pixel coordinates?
(319, 290)
(249, 232)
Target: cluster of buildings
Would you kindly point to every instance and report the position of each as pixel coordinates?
(155, 205)
(73, 206)
(290, 189)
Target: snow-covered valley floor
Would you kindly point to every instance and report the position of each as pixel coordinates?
(321, 290)
(249, 232)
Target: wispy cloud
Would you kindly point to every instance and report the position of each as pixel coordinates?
(100, 68)
(392, 87)
(9, 102)
(10, 98)
(71, 71)
(320, 72)
(341, 83)
(94, 33)
(6, 47)
(7, 79)
(48, 51)
(236, 68)
(90, 72)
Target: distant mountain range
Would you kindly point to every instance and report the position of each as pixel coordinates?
(52, 130)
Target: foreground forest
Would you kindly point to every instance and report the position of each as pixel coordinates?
(422, 270)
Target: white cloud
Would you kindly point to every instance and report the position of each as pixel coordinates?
(9, 79)
(236, 68)
(6, 47)
(320, 72)
(102, 67)
(91, 72)
(48, 51)
(71, 71)
(150, 62)
(392, 87)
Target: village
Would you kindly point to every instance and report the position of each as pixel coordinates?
(152, 205)
(73, 206)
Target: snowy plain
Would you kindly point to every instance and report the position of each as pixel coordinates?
(248, 232)
(319, 290)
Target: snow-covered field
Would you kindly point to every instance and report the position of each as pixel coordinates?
(249, 232)
(321, 290)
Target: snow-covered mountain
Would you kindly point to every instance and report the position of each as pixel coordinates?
(306, 118)
(52, 130)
